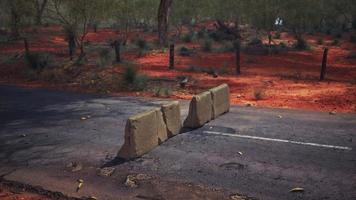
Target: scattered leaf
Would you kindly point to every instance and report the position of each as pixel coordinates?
(332, 113)
(280, 116)
(240, 153)
(80, 184)
(106, 171)
(23, 135)
(297, 189)
(83, 118)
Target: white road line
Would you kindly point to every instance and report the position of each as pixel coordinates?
(279, 140)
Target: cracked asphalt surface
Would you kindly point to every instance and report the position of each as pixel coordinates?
(42, 131)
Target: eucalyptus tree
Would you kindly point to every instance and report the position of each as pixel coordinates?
(75, 18)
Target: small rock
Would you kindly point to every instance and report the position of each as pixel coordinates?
(74, 166)
(280, 116)
(106, 171)
(240, 153)
(130, 182)
(332, 113)
(83, 118)
(23, 135)
(249, 105)
(236, 197)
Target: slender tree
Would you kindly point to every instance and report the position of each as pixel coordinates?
(163, 18)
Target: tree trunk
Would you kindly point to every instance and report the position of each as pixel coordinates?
(163, 16)
(323, 65)
(40, 7)
(15, 20)
(27, 48)
(237, 46)
(117, 45)
(71, 47)
(171, 56)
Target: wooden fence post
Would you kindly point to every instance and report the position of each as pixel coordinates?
(171, 56)
(323, 65)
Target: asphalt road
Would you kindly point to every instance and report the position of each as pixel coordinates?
(259, 152)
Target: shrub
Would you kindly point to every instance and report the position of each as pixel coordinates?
(301, 44)
(202, 33)
(184, 51)
(352, 55)
(162, 92)
(255, 42)
(335, 42)
(105, 57)
(259, 93)
(39, 61)
(277, 35)
(320, 41)
(187, 38)
(130, 74)
(140, 82)
(207, 45)
(283, 45)
(141, 43)
(353, 38)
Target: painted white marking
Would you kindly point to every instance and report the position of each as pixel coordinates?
(279, 140)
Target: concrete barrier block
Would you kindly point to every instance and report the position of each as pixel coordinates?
(162, 134)
(171, 115)
(200, 110)
(142, 133)
(221, 99)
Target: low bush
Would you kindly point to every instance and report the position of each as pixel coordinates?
(353, 38)
(352, 55)
(259, 93)
(301, 44)
(202, 33)
(184, 51)
(141, 43)
(255, 42)
(335, 42)
(130, 74)
(133, 80)
(162, 92)
(320, 41)
(105, 57)
(39, 61)
(187, 38)
(206, 46)
(277, 35)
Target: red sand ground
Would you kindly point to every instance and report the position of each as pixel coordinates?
(287, 80)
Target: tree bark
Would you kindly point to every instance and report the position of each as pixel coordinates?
(237, 46)
(171, 56)
(27, 48)
(163, 17)
(117, 45)
(15, 20)
(323, 65)
(40, 7)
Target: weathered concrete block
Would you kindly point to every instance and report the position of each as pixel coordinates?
(221, 99)
(162, 134)
(200, 110)
(143, 132)
(171, 115)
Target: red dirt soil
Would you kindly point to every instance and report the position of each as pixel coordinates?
(285, 80)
